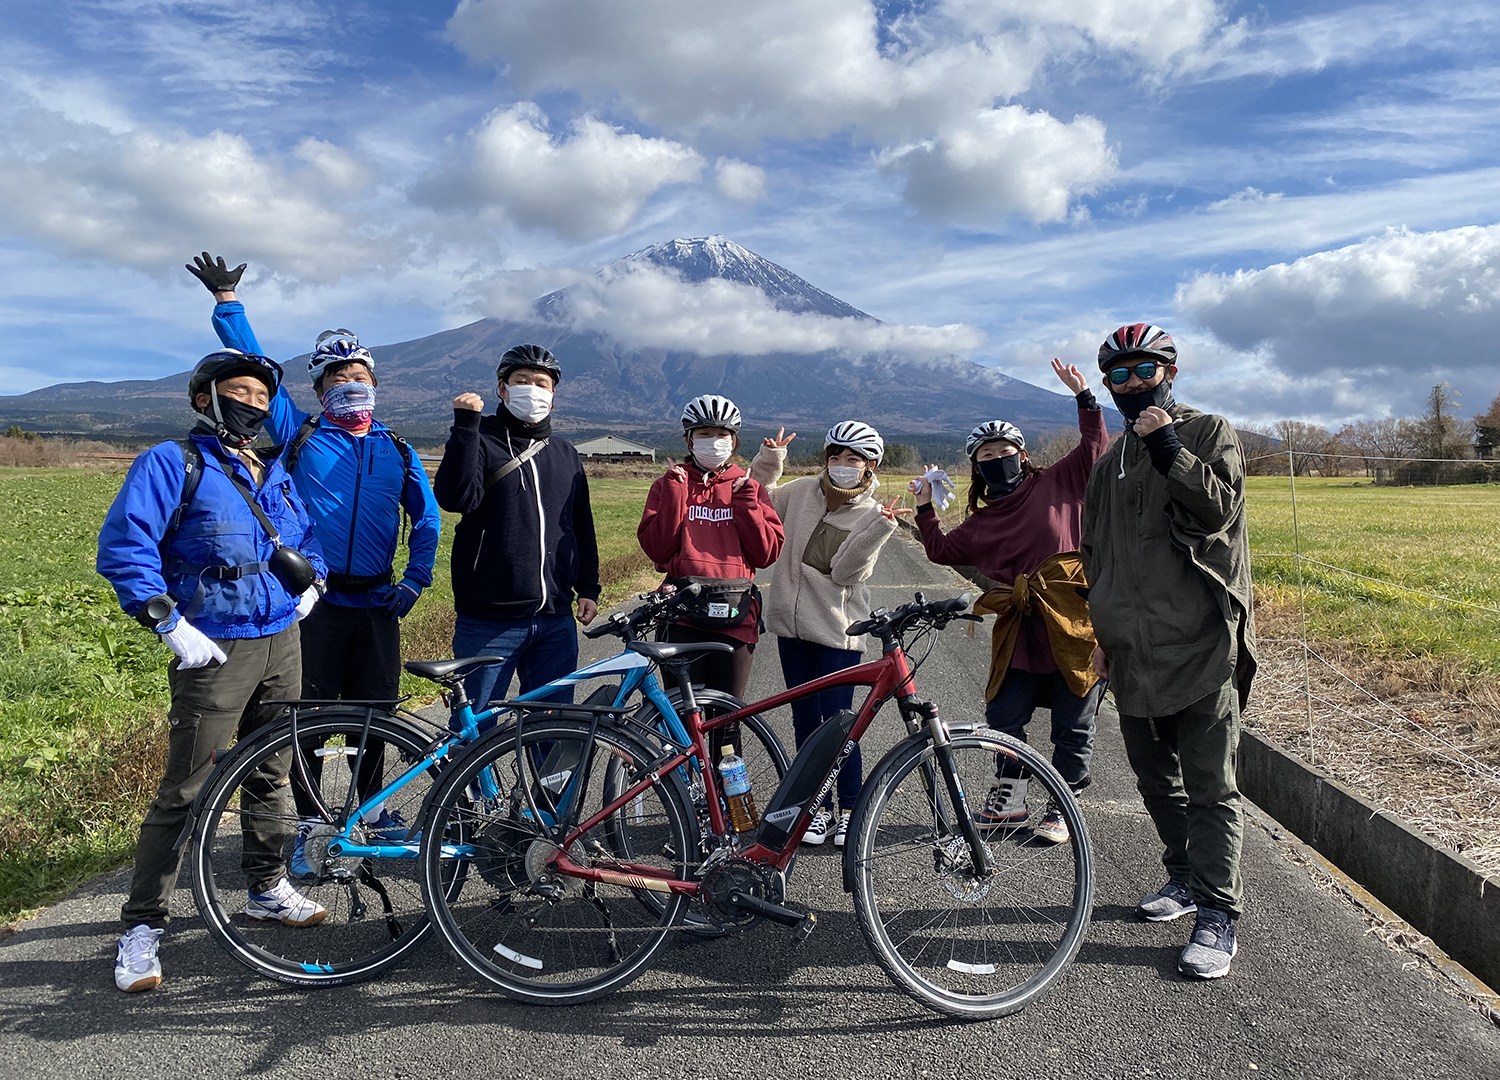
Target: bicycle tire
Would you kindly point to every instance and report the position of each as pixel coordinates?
(539, 937)
(766, 763)
(350, 944)
(1003, 955)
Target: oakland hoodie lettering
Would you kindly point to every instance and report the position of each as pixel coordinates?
(693, 529)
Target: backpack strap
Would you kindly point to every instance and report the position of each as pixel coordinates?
(294, 447)
(192, 465)
(515, 463)
(407, 455)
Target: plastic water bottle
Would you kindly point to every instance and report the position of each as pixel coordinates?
(735, 779)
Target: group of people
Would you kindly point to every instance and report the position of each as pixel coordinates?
(270, 575)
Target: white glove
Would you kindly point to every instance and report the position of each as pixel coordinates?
(194, 649)
(306, 601)
(942, 487)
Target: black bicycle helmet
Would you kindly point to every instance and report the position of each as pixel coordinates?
(529, 356)
(226, 364)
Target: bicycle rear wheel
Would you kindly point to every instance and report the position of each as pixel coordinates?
(963, 945)
(537, 935)
(245, 838)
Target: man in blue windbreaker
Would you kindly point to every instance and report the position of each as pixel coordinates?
(210, 546)
(357, 477)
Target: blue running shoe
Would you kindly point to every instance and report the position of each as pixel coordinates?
(391, 827)
(299, 867)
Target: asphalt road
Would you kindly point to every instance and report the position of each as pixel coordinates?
(1312, 994)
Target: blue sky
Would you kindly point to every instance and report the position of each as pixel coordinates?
(1306, 196)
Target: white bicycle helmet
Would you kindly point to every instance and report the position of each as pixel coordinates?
(861, 438)
(710, 410)
(989, 432)
(335, 348)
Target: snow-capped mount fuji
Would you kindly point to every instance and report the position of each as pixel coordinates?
(614, 384)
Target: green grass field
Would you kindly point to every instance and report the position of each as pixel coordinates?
(83, 689)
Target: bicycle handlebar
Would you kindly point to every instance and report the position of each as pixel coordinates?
(658, 605)
(891, 623)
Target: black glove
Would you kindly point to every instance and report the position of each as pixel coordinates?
(1163, 445)
(216, 277)
(1086, 399)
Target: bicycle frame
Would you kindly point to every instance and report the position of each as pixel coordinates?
(636, 674)
(887, 677)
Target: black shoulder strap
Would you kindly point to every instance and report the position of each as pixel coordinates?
(192, 465)
(249, 497)
(406, 459)
(294, 447)
(515, 463)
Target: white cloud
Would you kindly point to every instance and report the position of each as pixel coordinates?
(1156, 30)
(739, 180)
(1002, 161)
(591, 183)
(339, 168)
(648, 307)
(1369, 326)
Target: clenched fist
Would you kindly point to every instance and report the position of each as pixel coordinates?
(473, 402)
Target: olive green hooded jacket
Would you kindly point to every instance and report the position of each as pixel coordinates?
(1168, 564)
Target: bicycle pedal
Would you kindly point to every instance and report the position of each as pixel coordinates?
(803, 930)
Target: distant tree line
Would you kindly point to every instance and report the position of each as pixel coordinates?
(1393, 450)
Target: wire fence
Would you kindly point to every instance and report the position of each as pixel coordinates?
(1461, 807)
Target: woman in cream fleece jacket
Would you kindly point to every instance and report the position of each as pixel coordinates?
(835, 528)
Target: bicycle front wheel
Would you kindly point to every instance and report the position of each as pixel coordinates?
(965, 944)
(538, 935)
(246, 839)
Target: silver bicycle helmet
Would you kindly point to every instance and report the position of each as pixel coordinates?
(861, 438)
(989, 432)
(710, 410)
(335, 348)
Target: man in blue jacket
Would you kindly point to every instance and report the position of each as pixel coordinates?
(358, 477)
(201, 546)
(525, 545)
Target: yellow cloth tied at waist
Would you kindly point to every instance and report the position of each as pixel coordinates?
(1050, 590)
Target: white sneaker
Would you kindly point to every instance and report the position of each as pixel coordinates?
(286, 905)
(821, 826)
(841, 834)
(136, 965)
(1005, 805)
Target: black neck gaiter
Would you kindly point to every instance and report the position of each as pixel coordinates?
(1132, 405)
(1001, 475)
(237, 423)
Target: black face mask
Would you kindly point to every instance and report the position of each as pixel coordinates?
(1132, 405)
(238, 423)
(1001, 475)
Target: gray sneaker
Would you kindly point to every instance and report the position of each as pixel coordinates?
(1171, 901)
(1211, 947)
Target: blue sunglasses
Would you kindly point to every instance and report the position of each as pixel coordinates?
(1142, 371)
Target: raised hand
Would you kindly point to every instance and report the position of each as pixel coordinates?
(678, 473)
(1071, 377)
(780, 441)
(889, 511)
(469, 401)
(215, 275)
(921, 487)
(1150, 419)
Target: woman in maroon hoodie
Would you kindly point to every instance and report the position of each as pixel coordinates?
(707, 522)
(1021, 519)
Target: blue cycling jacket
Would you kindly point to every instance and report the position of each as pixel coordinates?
(352, 485)
(217, 530)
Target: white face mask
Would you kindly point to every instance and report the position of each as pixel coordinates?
(712, 453)
(529, 404)
(845, 476)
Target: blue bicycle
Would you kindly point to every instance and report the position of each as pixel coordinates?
(363, 772)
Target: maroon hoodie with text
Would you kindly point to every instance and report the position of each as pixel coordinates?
(704, 527)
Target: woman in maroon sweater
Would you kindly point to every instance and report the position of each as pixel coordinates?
(1019, 517)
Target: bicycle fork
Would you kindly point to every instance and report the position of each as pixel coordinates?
(925, 713)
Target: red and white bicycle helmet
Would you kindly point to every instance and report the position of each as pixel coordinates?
(710, 410)
(1137, 339)
(861, 438)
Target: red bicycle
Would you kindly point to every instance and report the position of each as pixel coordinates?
(603, 835)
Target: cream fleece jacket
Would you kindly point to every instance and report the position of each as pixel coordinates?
(803, 602)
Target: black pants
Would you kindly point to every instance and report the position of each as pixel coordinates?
(802, 662)
(725, 672)
(1021, 694)
(349, 653)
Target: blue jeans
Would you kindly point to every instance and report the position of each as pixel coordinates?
(802, 662)
(540, 649)
(1072, 721)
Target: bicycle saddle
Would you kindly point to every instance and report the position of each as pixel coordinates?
(438, 670)
(662, 651)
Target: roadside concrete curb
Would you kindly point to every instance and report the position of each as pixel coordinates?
(1439, 892)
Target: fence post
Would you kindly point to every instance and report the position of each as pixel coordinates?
(1291, 468)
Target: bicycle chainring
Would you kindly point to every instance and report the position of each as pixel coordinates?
(730, 876)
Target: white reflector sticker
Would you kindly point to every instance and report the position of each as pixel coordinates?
(525, 961)
(956, 965)
(347, 751)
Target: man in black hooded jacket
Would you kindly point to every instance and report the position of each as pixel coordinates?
(525, 546)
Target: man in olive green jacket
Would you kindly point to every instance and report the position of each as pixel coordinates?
(1166, 555)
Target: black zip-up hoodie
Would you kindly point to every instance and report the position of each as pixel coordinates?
(526, 545)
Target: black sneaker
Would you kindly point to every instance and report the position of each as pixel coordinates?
(1211, 948)
(1171, 901)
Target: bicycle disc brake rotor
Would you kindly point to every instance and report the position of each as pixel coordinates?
(731, 876)
(315, 849)
(547, 882)
(951, 860)
(500, 854)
